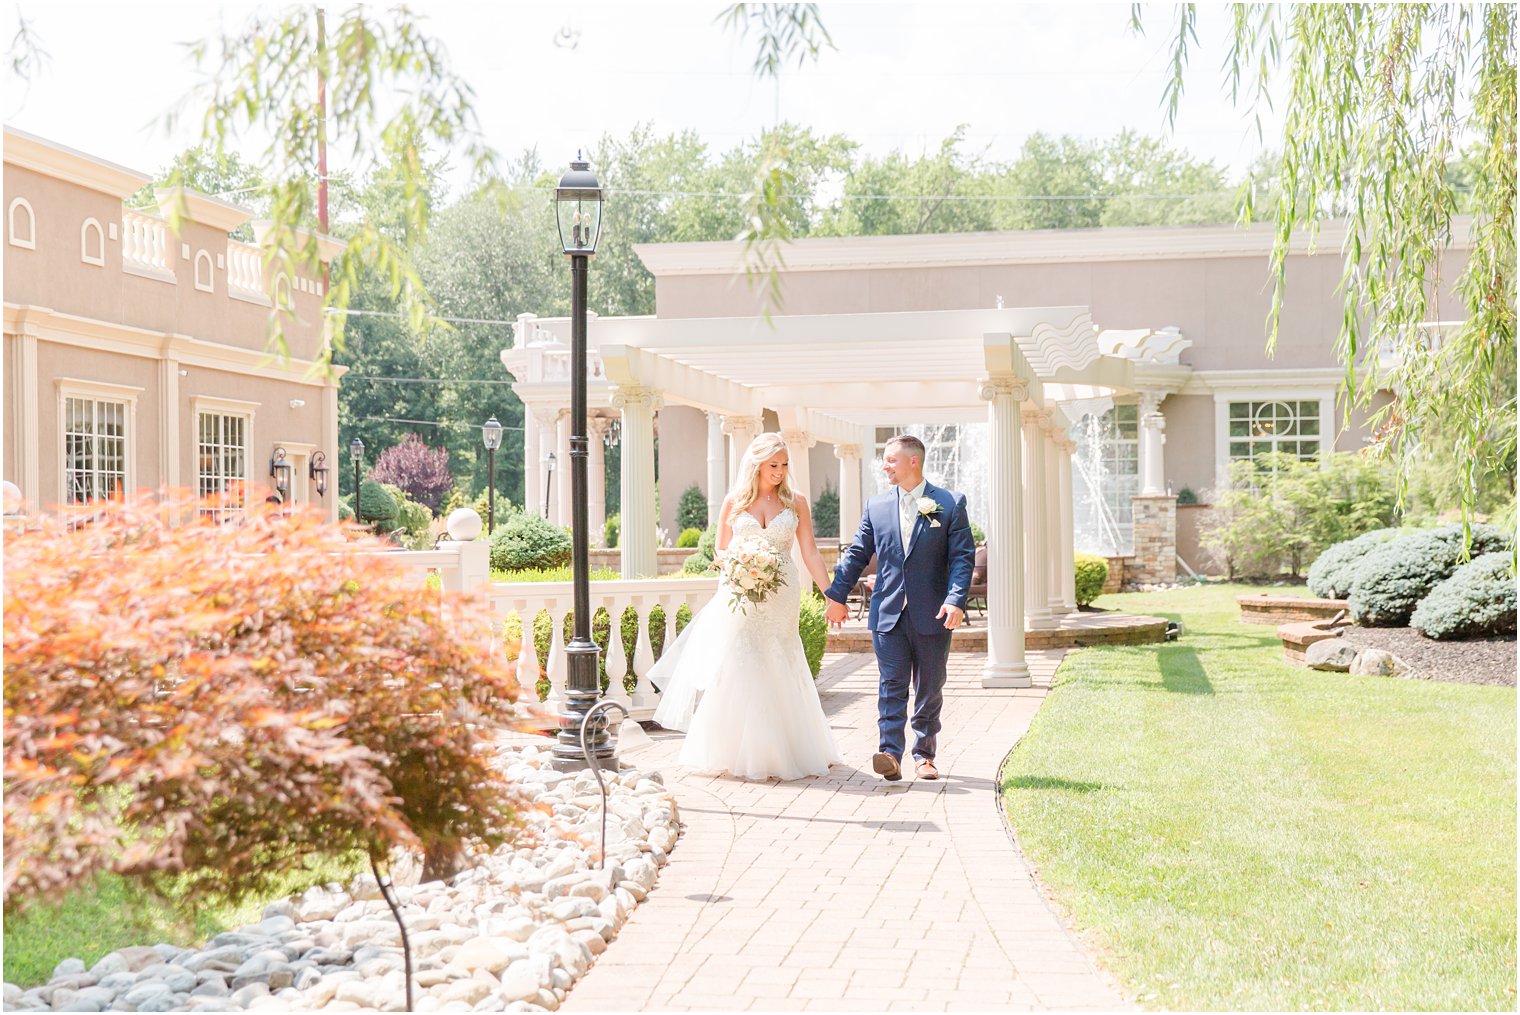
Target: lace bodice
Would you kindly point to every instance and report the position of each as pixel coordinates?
(780, 610)
(779, 533)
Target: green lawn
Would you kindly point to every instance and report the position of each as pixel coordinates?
(1239, 833)
(114, 913)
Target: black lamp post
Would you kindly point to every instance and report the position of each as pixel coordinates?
(549, 460)
(491, 434)
(578, 207)
(356, 452)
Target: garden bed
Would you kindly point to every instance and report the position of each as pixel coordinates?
(1469, 661)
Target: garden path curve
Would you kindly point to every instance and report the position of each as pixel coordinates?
(848, 893)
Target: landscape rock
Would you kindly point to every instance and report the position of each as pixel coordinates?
(1334, 654)
(1375, 662)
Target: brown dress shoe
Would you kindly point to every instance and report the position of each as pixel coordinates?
(925, 769)
(887, 767)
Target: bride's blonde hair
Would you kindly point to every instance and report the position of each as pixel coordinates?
(746, 488)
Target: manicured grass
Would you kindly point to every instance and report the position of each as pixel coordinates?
(114, 913)
(1238, 833)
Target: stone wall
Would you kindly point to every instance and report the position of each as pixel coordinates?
(1155, 541)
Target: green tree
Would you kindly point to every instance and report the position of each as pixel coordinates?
(1381, 101)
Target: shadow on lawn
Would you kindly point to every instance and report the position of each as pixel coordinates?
(1053, 782)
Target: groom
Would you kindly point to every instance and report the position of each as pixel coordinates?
(921, 538)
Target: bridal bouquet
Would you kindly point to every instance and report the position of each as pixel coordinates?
(751, 568)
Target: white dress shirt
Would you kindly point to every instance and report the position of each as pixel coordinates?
(907, 511)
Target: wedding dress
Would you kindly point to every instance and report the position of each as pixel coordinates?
(739, 683)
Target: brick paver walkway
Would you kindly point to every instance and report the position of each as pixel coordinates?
(847, 893)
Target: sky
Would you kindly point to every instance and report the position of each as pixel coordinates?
(556, 77)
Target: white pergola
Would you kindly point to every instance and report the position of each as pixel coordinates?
(834, 378)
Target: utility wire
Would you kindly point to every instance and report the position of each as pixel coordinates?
(423, 380)
(431, 422)
(391, 313)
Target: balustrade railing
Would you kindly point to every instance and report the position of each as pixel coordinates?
(145, 245)
(245, 272)
(462, 566)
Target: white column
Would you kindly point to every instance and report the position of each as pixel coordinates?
(596, 467)
(740, 430)
(1036, 539)
(1052, 497)
(168, 422)
(543, 496)
(798, 443)
(331, 445)
(717, 472)
(1068, 529)
(532, 476)
(1005, 538)
(1152, 437)
(27, 423)
(562, 506)
(637, 539)
(849, 491)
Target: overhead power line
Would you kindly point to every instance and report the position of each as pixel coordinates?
(430, 422)
(424, 380)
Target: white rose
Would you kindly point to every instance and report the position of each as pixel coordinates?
(927, 505)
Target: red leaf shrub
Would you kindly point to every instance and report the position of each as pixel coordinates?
(222, 700)
(421, 471)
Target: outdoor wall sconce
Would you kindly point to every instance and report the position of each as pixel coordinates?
(316, 469)
(280, 470)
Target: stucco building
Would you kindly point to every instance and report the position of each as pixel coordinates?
(1187, 306)
(136, 356)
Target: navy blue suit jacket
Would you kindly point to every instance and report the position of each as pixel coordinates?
(935, 570)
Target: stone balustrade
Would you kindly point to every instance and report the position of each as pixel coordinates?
(462, 566)
(245, 273)
(145, 245)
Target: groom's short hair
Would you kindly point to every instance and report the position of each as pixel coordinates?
(909, 443)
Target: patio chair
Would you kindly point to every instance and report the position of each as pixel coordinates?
(976, 594)
(865, 587)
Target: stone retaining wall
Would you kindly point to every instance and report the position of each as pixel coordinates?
(1283, 609)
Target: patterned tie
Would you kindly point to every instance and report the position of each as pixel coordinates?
(905, 512)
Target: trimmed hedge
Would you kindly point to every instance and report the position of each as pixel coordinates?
(376, 505)
(826, 514)
(1333, 572)
(530, 541)
(707, 548)
(1478, 600)
(688, 538)
(612, 529)
(1394, 577)
(1092, 573)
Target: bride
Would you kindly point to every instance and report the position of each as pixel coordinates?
(738, 682)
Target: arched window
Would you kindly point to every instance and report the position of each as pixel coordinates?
(92, 243)
(203, 275)
(282, 297)
(23, 224)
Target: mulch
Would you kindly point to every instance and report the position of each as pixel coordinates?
(1472, 661)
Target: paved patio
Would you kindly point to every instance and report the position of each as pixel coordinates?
(850, 894)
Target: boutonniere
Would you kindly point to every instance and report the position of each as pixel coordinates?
(928, 507)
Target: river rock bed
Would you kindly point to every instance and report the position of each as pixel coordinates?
(512, 932)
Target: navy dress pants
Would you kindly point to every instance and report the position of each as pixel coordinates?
(907, 659)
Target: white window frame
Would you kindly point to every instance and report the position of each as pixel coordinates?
(97, 391)
(1223, 396)
(30, 242)
(248, 411)
(97, 259)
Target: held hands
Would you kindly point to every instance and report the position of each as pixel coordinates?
(951, 615)
(835, 613)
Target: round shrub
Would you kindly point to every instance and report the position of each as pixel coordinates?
(826, 514)
(1331, 574)
(813, 626)
(1092, 573)
(978, 534)
(413, 517)
(376, 504)
(1478, 600)
(691, 509)
(707, 548)
(688, 538)
(1395, 576)
(529, 541)
(612, 529)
